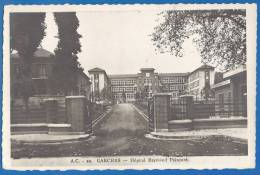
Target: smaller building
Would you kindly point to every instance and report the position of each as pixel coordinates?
(101, 86)
(124, 87)
(200, 80)
(174, 83)
(231, 92)
(83, 85)
(42, 67)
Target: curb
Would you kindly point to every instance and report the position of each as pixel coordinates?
(237, 140)
(52, 142)
(164, 137)
(167, 137)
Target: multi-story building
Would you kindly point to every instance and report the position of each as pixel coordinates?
(200, 79)
(131, 87)
(42, 65)
(147, 82)
(101, 86)
(174, 83)
(124, 85)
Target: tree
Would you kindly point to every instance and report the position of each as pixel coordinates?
(218, 77)
(145, 92)
(106, 93)
(123, 96)
(66, 66)
(26, 33)
(220, 35)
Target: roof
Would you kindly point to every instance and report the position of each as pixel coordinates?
(39, 53)
(173, 74)
(147, 69)
(96, 69)
(235, 71)
(220, 84)
(83, 74)
(123, 76)
(204, 66)
(42, 53)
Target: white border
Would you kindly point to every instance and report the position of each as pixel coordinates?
(209, 162)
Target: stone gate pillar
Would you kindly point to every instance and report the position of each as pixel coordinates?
(76, 110)
(161, 104)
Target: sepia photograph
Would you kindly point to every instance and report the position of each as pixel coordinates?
(129, 86)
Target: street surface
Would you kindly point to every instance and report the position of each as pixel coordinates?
(122, 133)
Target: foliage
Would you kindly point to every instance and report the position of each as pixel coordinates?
(106, 93)
(66, 66)
(123, 96)
(26, 33)
(220, 35)
(145, 92)
(218, 77)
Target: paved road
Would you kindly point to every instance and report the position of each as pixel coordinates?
(122, 133)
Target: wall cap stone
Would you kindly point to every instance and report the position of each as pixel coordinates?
(186, 96)
(180, 121)
(221, 119)
(162, 94)
(79, 96)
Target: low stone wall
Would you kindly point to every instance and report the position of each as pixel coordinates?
(38, 101)
(180, 125)
(185, 125)
(220, 123)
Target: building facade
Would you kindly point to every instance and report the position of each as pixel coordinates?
(123, 87)
(231, 92)
(200, 80)
(132, 87)
(174, 83)
(101, 86)
(42, 65)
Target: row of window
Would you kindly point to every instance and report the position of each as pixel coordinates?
(123, 82)
(125, 89)
(39, 71)
(194, 84)
(174, 80)
(175, 87)
(119, 96)
(194, 76)
(175, 95)
(145, 81)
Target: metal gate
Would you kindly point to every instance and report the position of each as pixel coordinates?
(151, 114)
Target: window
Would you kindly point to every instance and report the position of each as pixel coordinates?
(39, 71)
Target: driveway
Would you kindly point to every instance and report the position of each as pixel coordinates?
(122, 133)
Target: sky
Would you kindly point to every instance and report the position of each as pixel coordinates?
(120, 43)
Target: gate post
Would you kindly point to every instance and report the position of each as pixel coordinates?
(161, 112)
(76, 113)
(151, 114)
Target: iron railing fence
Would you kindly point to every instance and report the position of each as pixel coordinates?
(201, 108)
